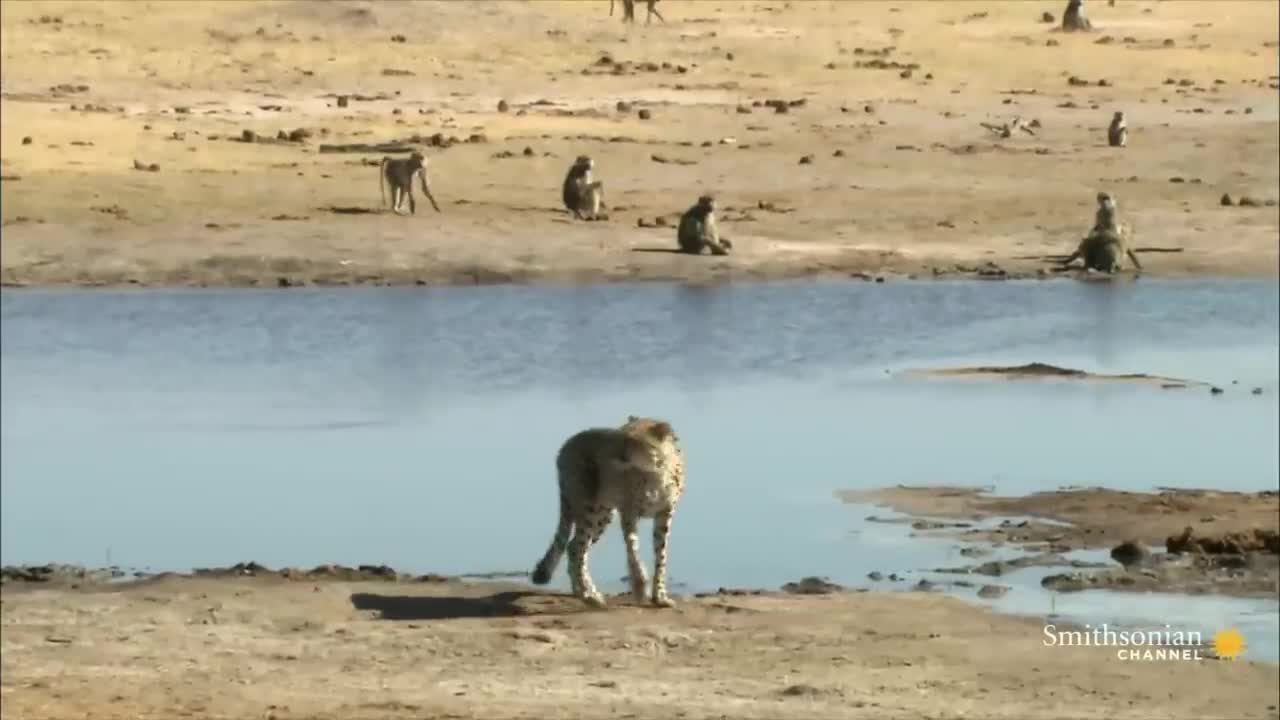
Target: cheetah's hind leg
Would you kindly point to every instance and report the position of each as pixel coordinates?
(585, 534)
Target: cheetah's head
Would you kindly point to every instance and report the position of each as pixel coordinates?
(649, 442)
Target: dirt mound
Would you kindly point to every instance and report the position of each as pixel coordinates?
(340, 573)
(1044, 370)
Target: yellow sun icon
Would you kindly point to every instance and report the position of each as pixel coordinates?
(1229, 643)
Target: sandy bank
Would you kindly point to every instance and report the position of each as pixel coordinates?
(240, 648)
(884, 169)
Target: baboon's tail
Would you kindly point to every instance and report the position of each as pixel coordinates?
(382, 182)
(547, 565)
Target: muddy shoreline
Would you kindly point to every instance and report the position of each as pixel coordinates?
(1173, 541)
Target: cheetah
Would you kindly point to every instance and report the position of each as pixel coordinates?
(636, 469)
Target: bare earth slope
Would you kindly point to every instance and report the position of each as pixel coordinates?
(919, 187)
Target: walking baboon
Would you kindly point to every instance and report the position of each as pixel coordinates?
(1118, 132)
(1107, 242)
(651, 9)
(629, 11)
(698, 229)
(1073, 19)
(399, 174)
(583, 196)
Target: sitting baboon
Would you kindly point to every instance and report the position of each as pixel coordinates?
(1104, 218)
(1118, 132)
(399, 173)
(1073, 19)
(1107, 242)
(698, 229)
(583, 196)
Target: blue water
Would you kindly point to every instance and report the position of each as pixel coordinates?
(418, 427)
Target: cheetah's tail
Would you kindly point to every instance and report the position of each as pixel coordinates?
(547, 565)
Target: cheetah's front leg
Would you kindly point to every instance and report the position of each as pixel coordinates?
(661, 534)
(585, 534)
(635, 569)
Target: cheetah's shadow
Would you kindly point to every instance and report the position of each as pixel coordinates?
(508, 603)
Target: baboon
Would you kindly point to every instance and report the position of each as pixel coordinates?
(1073, 19)
(1005, 130)
(1118, 132)
(629, 11)
(399, 174)
(697, 230)
(651, 9)
(583, 196)
(1105, 216)
(1108, 240)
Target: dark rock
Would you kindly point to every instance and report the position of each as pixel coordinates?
(1131, 552)
(812, 586)
(990, 592)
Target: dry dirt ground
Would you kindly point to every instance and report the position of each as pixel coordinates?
(898, 174)
(266, 647)
(1218, 542)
